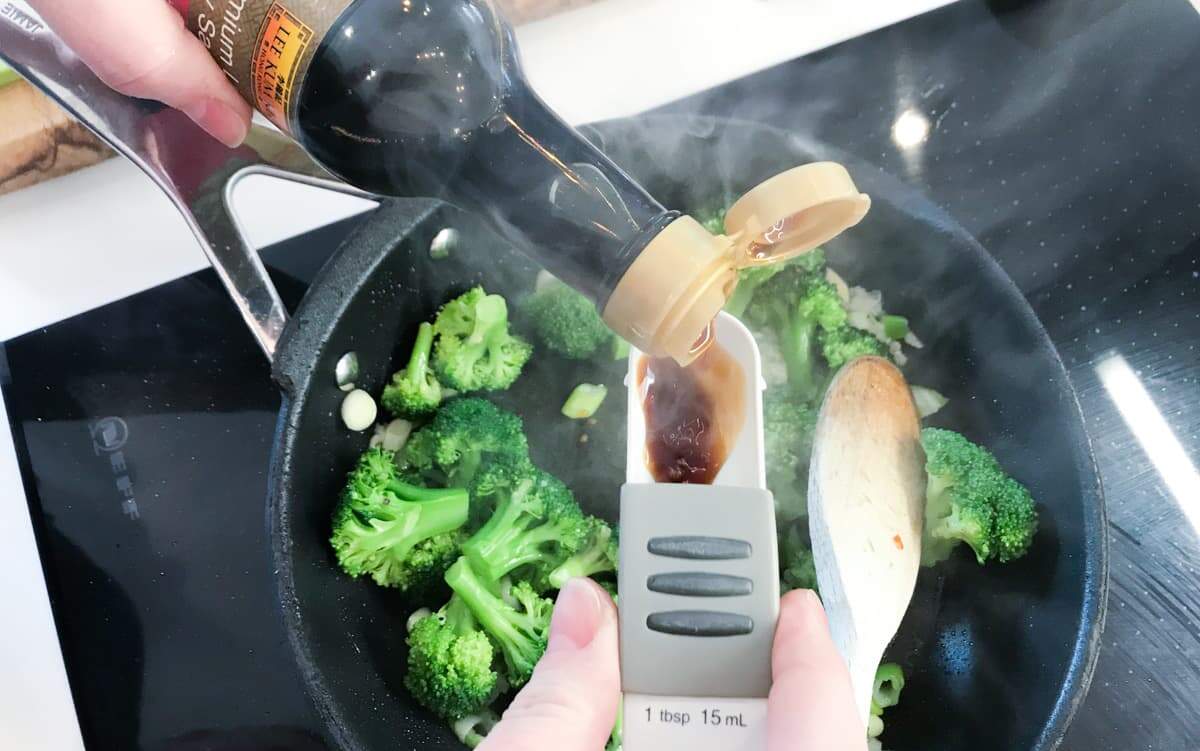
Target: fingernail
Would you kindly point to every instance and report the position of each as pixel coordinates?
(219, 120)
(578, 614)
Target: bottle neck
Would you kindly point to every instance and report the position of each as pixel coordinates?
(554, 196)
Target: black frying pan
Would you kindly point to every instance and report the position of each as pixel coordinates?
(998, 657)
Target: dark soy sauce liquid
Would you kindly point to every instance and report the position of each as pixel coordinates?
(427, 98)
(693, 414)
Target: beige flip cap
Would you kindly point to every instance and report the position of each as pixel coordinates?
(670, 294)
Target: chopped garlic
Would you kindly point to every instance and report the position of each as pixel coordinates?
(359, 410)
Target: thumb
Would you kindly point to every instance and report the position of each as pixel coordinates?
(570, 703)
(811, 704)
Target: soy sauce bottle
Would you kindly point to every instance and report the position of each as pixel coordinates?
(447, 113)
(427, 98)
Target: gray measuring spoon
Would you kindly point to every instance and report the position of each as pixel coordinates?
(866, 502)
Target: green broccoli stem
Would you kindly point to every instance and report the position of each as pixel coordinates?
(620, 348)
(436, 512)
(418, 362)
(458, 616)
(743, 293)
(487, 333)
(514, 632)
(461, 475)
(796, 343)
(490, 312)
(418, 494)
(590, 561)
(505, 542)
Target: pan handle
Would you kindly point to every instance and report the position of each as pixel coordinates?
(196, 172)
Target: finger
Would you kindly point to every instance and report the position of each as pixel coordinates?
(811, 704)
(571, 701)
(141, 48)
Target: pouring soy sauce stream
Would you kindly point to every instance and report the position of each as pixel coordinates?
(427, 97)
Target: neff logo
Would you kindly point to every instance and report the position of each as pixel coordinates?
(26, 22)
(109, 436)
(222, 29)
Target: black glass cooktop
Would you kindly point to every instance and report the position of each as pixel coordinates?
(1061, 133)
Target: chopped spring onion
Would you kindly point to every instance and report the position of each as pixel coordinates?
(584, 401)
(889, 682)
(473, 728)
(359, 410)
(895, 327)
(620, 348)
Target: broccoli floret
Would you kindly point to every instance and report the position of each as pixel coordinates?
(969, 498)
(798, 570)
(450, 662)
(566, 321)
(536, 523)
(796, 303)
(812, 262)
(1016, 520)
(597, 556)
(750, 279)
(402, 535)
(842, 344)
(495, 479)
(415, 390)
(464, 433)
(475, 350)
(520, 631)
(788, 427)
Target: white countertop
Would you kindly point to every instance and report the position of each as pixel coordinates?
(86, 239)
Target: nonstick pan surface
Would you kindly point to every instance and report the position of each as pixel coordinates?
(997, 657)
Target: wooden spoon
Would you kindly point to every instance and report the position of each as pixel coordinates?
(866, 505)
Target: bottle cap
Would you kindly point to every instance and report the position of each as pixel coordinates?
(665, 303)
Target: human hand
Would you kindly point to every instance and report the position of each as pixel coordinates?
(571, 701)
(141, 48)
(811, 705)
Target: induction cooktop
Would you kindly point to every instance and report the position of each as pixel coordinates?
(1061, 133)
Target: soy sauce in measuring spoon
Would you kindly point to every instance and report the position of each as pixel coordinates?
(693, 414)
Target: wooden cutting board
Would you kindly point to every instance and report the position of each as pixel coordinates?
(39, 141)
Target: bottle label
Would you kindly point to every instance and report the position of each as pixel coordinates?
(263, 46)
